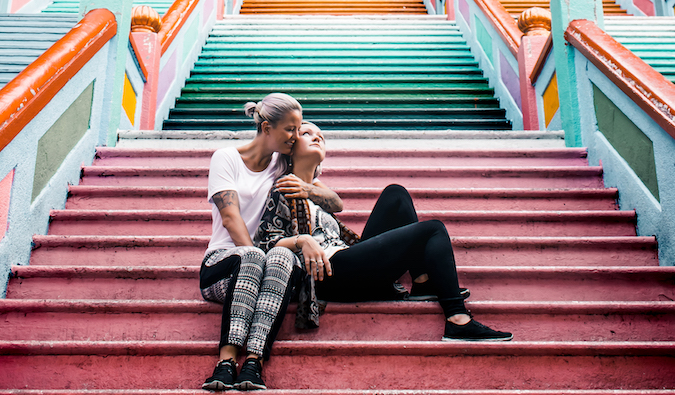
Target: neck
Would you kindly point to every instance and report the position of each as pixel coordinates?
(304, 170)
(255, 154)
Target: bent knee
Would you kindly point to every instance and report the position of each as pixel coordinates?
(282, 257)
(253, 255)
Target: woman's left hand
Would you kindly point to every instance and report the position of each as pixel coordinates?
(293, 187)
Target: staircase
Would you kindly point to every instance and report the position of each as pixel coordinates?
(110, 302)
(650, 38)
(354, 74)
(73, 6)
(24, 37)
(333, 7)
(516, 7)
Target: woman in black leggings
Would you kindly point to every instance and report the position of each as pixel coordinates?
(393, 242)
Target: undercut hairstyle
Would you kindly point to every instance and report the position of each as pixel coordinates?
(273, 108)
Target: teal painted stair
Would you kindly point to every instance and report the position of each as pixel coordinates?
(24, 37)
(650, 38)
(73, 6)
(383, 73)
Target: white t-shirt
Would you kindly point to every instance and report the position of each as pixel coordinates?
(228, 172)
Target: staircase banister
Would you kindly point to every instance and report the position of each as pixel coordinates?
(648, 88)
(541, 61)
(30, 91)
(173, 20)
(503, 22)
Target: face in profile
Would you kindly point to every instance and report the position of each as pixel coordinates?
(284, 132)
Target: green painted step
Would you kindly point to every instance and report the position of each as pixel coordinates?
(349, 74)
(650, 38)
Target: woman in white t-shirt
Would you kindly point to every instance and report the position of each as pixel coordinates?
(252, 286)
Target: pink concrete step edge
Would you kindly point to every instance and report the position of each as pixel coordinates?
(388, 308)
(347, 348)
(344, 171)
(447, 215)
(109, 152)
(345, 392)
(504, 272)
(118, 191)
(462, 242)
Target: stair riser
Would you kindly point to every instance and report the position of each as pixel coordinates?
(467, 227)
(407, 180)
(395, 372)
(362, 327)
(487, 255)
(360, 160)
(483, 287)
(366, 203)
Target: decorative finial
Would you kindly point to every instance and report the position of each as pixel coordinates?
(535, 21)
(145, 19)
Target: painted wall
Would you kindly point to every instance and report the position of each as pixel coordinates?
(180, 57)
(548, 101)
(23, 6)
(637, 155)
(132, 93)
(46, 157)
(499, 65)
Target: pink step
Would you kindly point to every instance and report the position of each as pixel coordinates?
(84, 197)
(153, 320)
(342, 392)
(408, 176)
(486, 283)
(356, 365)
(364, 157)
(459, 223)
(469, 251)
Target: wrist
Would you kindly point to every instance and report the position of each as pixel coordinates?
(298, 244)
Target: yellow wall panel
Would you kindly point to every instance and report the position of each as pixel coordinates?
(551, 101)
(129, 100)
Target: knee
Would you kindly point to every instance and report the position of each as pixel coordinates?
(281, 258)
(252, 255)
(436, 225)
(395, 191)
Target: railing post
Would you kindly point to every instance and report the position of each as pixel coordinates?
(450, 9)
(562, 13)
(112, 111)
(535, 23)
(145, 24)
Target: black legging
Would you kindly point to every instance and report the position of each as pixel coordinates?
(394, 242)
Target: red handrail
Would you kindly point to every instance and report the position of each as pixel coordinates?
(30, 91)
(503, 22)
(648, 88)
(173, 20)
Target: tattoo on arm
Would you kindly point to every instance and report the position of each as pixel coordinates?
(326, 199)
(226, 199)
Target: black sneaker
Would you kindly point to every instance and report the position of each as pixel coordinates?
(473, 331)
(223, 376)
(250, 377)
(425, 292)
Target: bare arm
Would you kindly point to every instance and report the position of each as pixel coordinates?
(293, 188)
(228, 205)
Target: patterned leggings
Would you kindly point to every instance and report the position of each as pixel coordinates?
(254, 290)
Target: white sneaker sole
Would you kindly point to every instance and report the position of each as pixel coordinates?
(248, 385)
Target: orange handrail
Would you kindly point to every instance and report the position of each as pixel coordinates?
(30, 91)
(648, 88)
(541, 61)
(503, 22)
(173, 20)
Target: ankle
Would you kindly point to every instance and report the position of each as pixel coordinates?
(460, 319)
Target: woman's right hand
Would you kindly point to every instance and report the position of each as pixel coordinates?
(316, 262)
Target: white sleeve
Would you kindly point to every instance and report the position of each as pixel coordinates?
(222, 173)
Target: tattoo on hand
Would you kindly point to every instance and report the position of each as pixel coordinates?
(226, 199)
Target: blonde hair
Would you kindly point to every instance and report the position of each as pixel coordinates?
(272, 109)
